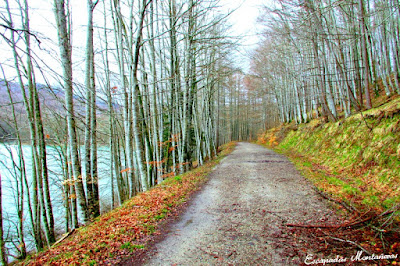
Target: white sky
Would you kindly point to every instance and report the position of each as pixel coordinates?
(42, 23)
(244, 22)
(244, 17)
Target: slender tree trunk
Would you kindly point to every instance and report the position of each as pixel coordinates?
(91, 124)
(48, 214)
(135, 85)
(36, 224)
(66, 61)
(367, 77)
(3, 256)
(22, 181)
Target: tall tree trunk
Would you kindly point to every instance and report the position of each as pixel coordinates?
(36, 220)
(90, 126)
(48, 214)
(3, 256)
(135, 86)
(66, 61)
(367, 77)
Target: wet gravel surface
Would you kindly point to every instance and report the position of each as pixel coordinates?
(239, 216)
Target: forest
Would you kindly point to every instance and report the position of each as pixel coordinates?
(329, 58)
(150, 90)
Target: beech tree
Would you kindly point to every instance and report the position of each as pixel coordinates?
(41, 210)
(3, 256)
(66, 60)
(92, 187)
(324, 57)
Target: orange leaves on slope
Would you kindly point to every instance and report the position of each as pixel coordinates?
(172, 174)
(268, 138)
(132, 222)
(272, 140)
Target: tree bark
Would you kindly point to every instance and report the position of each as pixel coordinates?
(66, 62)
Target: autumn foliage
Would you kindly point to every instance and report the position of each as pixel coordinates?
(269, 138)
(116, 236)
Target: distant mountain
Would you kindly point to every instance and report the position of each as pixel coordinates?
(51, 101)
(50, 98)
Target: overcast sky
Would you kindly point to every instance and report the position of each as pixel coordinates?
(244, 17)
(244, 22)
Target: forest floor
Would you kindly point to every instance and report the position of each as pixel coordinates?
(256, 209)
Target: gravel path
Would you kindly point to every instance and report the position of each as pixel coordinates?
(239, 216)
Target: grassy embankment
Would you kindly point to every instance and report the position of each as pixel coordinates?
(355, 160)
(116, 235)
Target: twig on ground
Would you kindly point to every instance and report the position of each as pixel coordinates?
(365, 121)
(326, 196)
(351, 242)
(390, 212)
(348, 224)
(64, 237)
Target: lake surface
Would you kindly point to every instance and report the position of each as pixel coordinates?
(9, 153)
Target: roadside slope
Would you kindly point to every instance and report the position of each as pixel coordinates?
(358, 157)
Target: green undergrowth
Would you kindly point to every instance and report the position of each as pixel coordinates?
(356, 160)
(116, 235)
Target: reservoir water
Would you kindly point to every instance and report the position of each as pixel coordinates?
(9, 170)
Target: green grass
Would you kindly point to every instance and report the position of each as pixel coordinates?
(159, 216)
(353, 160)
(348, 189)
(131, 247)
(149, 229)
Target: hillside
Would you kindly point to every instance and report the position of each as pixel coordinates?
(359, 155)
(52, 103)
(51, 97)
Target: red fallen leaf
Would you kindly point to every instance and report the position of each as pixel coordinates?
(395, 245)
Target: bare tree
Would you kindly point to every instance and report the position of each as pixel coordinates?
(3, 256)
(91, 174)
(65, 52)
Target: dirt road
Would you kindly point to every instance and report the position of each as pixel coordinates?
(239, 216)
